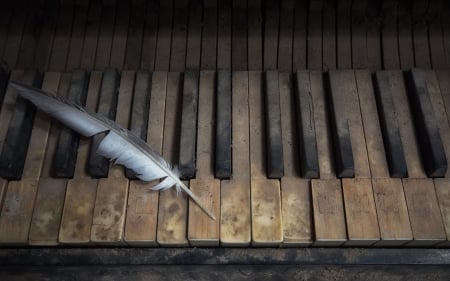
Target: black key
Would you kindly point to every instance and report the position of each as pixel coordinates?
(66, 150)
(223, 125)
(140, 107)
(15, 146)
(4, 77)
(426, 125)
(188, 137)
(274, 142)
(345, 167)
(309, 161)
(99, 165)
(389, 127)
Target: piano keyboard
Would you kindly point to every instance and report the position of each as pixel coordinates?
(312, 158)
(298, 123)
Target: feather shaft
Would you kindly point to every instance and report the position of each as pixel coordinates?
(119, 145)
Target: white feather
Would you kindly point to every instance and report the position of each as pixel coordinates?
(119, 145)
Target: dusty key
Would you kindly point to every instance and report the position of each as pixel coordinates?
(274, 145)
(15, 146)
(189, 124)
(391, 134)
(430, 142)
(306, 128)
(340, 125)
(223, 127)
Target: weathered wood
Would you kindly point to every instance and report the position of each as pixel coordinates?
(371, 124)
(360, 212)
(322, 126)
(274, 145)
(78, 211)
(16, 213)
(109, 211)
(17, 139)
(47, 212)
(235, 194)
(202, 231)
(442, 187)
(395, 228)
(329, 217)
(188, 137)
(296, 211)
(265, 194)
(172, 213)
(389, 126)
(223, 128)
(309, 161)
(404, 119)
(285, 51)
(424, 213)
(430, 142)
(338, 88)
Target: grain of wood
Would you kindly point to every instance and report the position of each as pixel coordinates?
(372, 131)
(329, 217)
(321, 121)
(406, 127)
(360, 212)
(172, 214)
(202, 230)
(442, 187)
(235, 222)
(296, 211)
(424, 213)
(395, 228)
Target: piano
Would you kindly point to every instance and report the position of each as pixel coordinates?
(317, 132)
